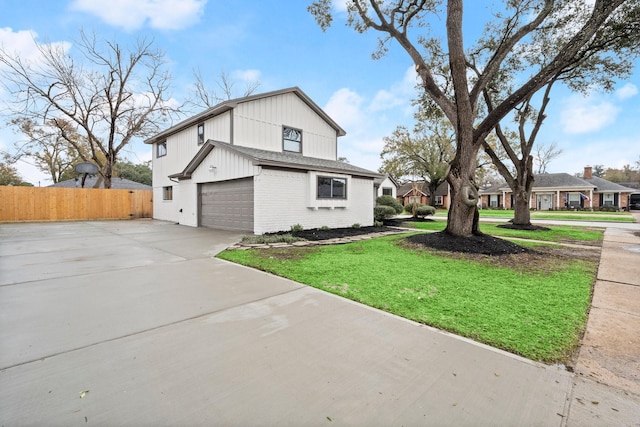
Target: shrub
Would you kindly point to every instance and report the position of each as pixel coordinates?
(378, 223)
(356, 225)
(324, 228)
(296, 228)
(382, 212)
(425, 210)
(421, 210)
(389, 201)
(609, 208)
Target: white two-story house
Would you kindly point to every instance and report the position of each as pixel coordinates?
(259, 164)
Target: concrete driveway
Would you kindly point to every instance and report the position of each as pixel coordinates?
(135, 323)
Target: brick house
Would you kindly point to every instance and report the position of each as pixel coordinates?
(418, 191)
(562, 191)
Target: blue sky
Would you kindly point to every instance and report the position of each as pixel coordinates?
(278, 43)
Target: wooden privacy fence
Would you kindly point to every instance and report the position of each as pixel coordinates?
(67, 204)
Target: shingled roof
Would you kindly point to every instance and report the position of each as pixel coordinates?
(276, 159)
(117, 183)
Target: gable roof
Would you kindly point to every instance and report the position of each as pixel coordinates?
(225, 106)
(117, 183)
(380, 180)
(560, 180)
(406, 188)
(423, 187)
(275, 159)
(602, 185)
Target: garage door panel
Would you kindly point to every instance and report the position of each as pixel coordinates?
(227, 205)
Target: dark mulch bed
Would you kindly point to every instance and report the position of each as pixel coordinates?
(335, 233)
(399, 222)
(477, 244)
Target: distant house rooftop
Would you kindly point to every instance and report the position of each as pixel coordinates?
(116, 183)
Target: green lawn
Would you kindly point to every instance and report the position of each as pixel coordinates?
(535, 309)
(555, 233)
(559, 215)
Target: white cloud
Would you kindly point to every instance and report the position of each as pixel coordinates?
(247, 76)
(340, 5)
(627, 91)
(585, 115)
(400, 94)
(133, 14)
(368, 120)
(607, 151)
(23, 44)
(345, 106)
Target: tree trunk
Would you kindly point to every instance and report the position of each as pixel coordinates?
(521, 213)
(462, 220)
(522, 192)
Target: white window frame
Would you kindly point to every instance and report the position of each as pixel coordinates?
(167, 193)
(287, 142)
(161, 149)
(333, 180)
(200, 133)
(573, 200)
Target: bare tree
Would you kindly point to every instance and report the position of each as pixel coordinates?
(205, 97)
(110, 95)
(570, 32)
(544, 154)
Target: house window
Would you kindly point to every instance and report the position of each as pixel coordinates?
(161, 149)
(387, 191)
(201, 134)
(167, 193)
(438, 200)
(332, 188)
(414, 199)
(574, 199)
(607, 199)
(292, 140)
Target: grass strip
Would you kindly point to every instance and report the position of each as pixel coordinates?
(559, 215)
(536, 312)
(563, 215)
(555, 234)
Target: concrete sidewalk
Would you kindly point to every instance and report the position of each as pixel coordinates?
(606, 390)
(134, 323)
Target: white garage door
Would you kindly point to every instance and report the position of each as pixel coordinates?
(227, 205)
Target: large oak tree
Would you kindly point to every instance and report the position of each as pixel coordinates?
(568, 31)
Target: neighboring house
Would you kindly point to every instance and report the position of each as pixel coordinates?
(116, 183)
(418, 191)
(562, 191)
(386, 185)
(259, 164)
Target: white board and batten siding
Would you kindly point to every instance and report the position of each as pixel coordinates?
(181, 148)
(259, 123)
(281, 200)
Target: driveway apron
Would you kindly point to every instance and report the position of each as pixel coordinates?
(136, 323)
